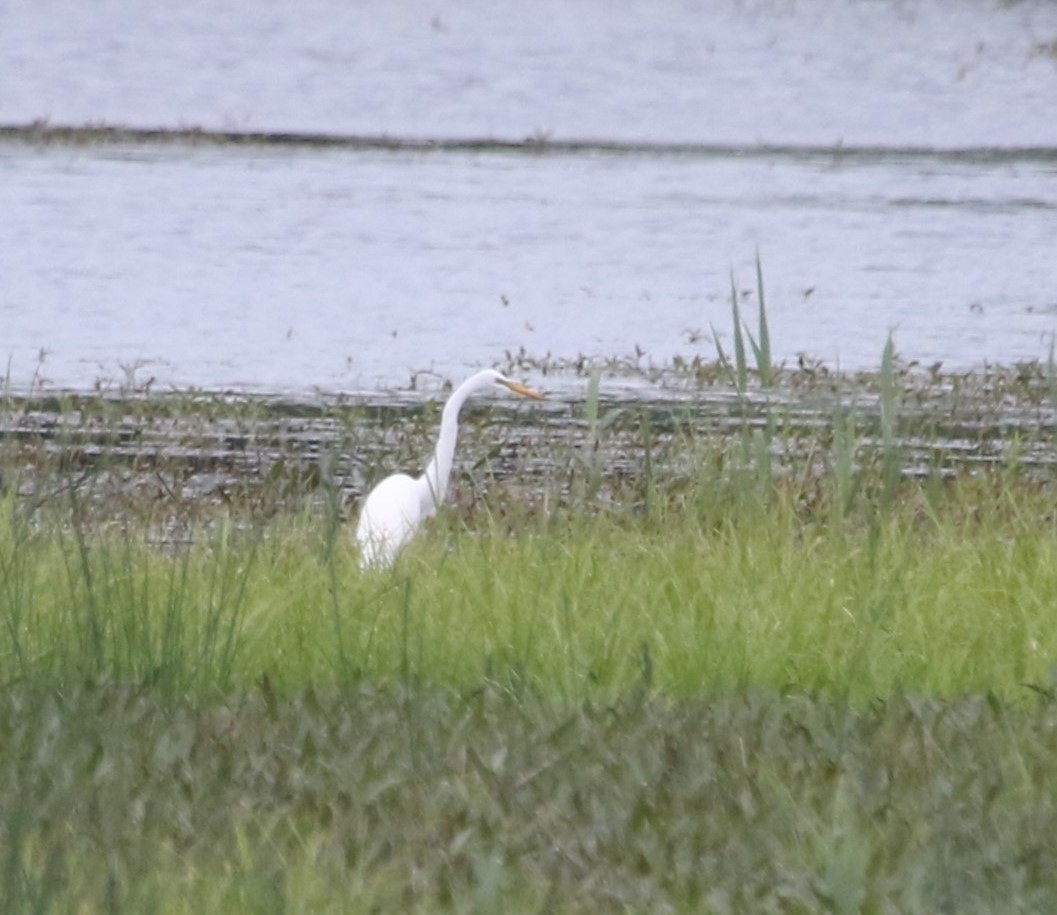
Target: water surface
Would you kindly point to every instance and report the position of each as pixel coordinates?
(826, 134)
(887, 72)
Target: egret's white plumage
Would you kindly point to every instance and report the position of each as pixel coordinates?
(395, 509)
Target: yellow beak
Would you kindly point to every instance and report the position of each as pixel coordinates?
(522, 390)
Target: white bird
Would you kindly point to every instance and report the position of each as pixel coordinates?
(395, 509)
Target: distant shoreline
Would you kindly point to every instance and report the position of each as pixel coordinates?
(44, 132)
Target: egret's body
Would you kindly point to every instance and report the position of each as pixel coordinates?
(396, 508)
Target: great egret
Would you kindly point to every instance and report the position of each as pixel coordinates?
(395, 509)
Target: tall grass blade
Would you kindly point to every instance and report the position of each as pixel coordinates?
(1051, 374)
(331, 541)
(887, 384)
(219, 641)
(889, 419)
(721, 357)
(740, 362)
(84, 601)
(648, 486)
(594, 385)
(844, 447)
(594, 463)
(16, 580)
(763, 348)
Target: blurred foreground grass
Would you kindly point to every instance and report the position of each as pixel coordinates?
(426, 800)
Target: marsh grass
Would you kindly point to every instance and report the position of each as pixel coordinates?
(744, 570)
(81, 605)
(950, 593)
(316, 802)
(760, 668)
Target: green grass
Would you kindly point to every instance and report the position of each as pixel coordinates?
(385, 800)
(759, 675)
(948, 590)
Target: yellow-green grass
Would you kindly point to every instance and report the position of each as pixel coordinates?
(946, 588)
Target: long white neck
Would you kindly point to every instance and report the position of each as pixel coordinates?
(439, 469)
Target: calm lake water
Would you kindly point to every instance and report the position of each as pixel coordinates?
(895, 164)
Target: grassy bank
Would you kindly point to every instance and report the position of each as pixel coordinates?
(775, 671)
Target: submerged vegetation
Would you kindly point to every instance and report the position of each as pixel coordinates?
(782, 641)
